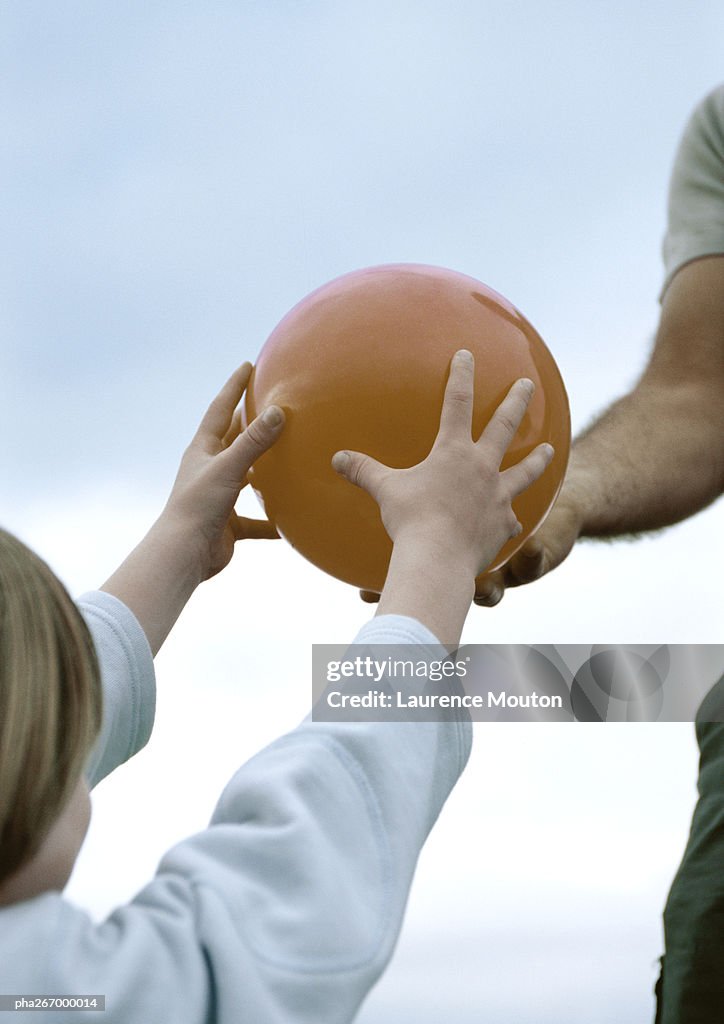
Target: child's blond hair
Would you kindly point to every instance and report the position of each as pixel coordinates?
(50, 700)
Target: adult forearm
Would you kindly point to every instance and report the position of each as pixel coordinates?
(654, 458)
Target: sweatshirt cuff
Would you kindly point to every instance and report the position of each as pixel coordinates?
(398, 629)
(128, 680)
(403, 629)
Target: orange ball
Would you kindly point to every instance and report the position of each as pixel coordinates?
(361, 364)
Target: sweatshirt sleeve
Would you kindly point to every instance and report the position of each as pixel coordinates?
(696, 191)
(127, 678)
(288, 907)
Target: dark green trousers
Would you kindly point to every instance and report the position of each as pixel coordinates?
(690, 989)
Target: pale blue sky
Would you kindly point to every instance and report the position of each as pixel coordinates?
(174, 177)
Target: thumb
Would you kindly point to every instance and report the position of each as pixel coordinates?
(253, 529)
(361, 470)
(527, 564)
(545, 549)
(258, 437)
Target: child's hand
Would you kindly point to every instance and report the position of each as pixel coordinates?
(213, 472)
(194, 536)
(457, 497)
(449, 515)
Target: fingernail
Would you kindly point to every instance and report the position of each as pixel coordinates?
(340, 461)
(272, 416)
(464, 355)
(528, 385)
(549, 450)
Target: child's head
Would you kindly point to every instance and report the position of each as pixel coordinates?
(50, 702)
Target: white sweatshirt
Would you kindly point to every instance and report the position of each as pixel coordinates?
(287, 907)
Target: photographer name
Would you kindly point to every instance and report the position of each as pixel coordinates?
(383, 699)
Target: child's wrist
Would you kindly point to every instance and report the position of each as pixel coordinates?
(183, 545)
(437, 547)
(432, 583)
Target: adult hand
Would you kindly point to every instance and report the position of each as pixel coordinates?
(542, 552)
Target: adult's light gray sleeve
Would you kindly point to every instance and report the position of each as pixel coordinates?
(128, 680)
(696, 192)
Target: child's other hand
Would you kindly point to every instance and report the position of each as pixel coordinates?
(457, 501)
(213, 472)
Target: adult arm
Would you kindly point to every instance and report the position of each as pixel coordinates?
(656, 456)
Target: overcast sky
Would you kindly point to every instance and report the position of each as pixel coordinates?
(175, 176)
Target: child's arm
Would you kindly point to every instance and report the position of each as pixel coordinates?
(449, 515)
(194, 536)
(289, 906)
